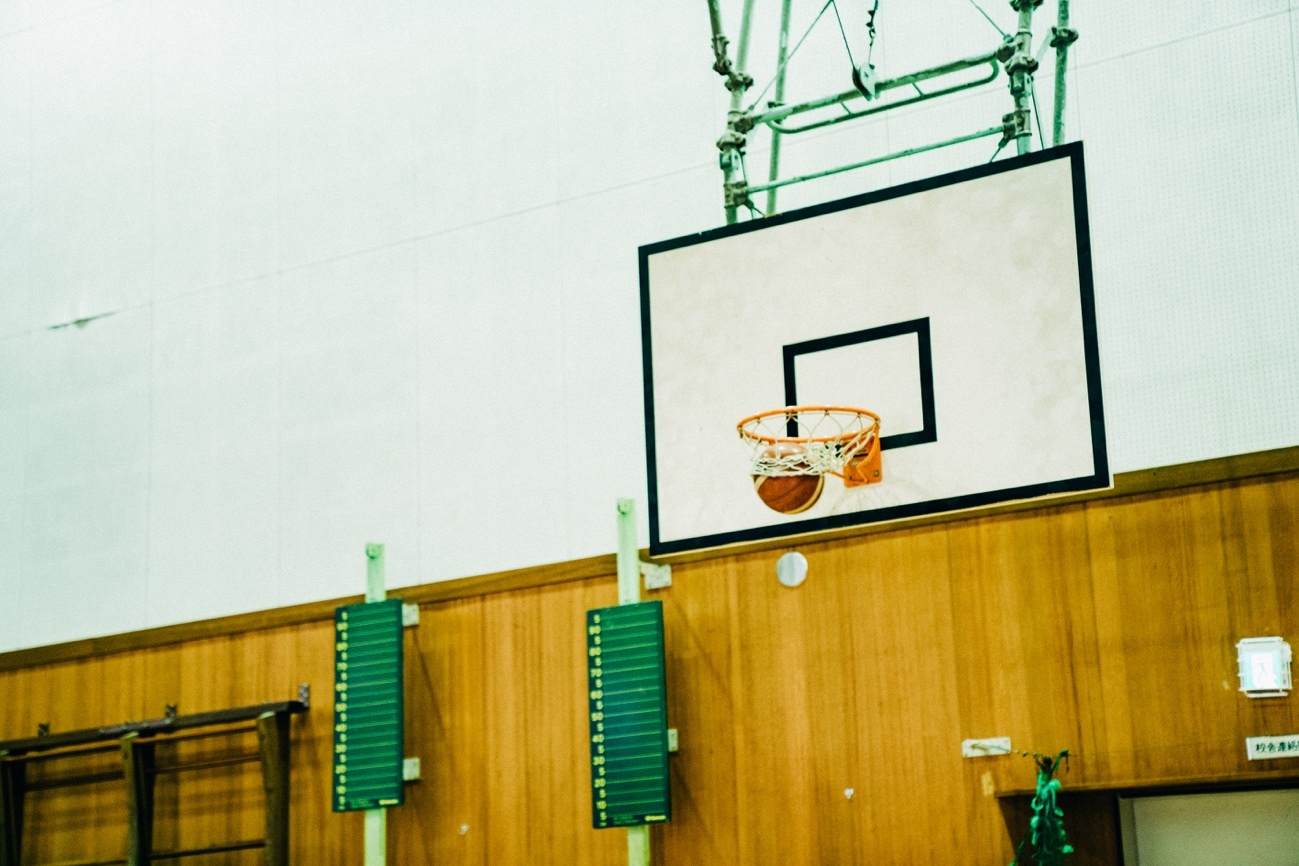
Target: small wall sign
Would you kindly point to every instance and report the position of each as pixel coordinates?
(1270, 748)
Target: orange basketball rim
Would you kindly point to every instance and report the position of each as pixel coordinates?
(815, 440)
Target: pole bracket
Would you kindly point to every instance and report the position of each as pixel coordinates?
(722, 66)
(736, 194)
(1063, 36)
(656, 576)
(1022, 62)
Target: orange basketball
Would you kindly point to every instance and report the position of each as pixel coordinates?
(789, 494)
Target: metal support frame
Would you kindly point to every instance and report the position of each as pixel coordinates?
(732, 145)
(1021, 66)
(782, 55)
(638, 838)
(376, 820)
(1061, 38)
(13, 790)
(136, 743)
(273, 744)
(139, 768)
(1014, 53)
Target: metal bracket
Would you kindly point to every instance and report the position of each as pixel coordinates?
(863, 78)
(1061, 37)
(736, 194)
(410, 771)
(656, 576)
(409, 615)
(1021, 63)
(304, 695)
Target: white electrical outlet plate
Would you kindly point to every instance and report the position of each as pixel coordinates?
(986, 747)
(672, 739)
(656, 576)
(410, 770)
(409, 615)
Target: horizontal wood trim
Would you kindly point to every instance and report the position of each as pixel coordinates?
(1145, 481)
(1174, 785)
(284, 617)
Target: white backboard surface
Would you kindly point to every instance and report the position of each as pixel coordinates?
(958, 308)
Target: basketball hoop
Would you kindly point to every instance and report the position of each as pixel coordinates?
(808, 443)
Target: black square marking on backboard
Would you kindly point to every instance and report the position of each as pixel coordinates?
(924, 359)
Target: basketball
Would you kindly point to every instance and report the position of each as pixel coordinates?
(789, 494)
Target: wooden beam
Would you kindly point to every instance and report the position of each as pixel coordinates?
(274, 743)
(285, 617)
(1242, 467)
(12, 792)
(137, 765)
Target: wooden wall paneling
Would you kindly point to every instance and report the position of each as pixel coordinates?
(535, 658)
(1259, 527)
(774, 776)
(316, 833)
(697, 628)
(445, 724)
(904, 664)
(826, 612)
(1112, 719)
(1172, 606)
(1108, 627)
(1014, 619)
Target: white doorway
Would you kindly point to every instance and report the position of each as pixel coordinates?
(1237, 828)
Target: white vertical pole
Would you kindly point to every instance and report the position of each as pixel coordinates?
(376, 820)
(628, 553)
(638, 840)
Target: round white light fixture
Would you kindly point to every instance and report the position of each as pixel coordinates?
(791, 569)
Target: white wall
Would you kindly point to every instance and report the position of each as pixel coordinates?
(371, 268)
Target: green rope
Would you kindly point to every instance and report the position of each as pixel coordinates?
(1046, 827)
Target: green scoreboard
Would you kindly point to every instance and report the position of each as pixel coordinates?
(368, 707)
(627, 694)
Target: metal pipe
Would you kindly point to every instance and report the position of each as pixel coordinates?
(376, 820)
(854, 115)
(742, 52)
(1061, 39)
(1021, 67)
(729, 164)
(781, 54)
(984, 133)
(781, 112)
(719, 39)
(628, 560)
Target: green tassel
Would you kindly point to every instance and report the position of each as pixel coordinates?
(1045, 836)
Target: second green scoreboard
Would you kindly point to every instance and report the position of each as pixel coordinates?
(369, 728)
(627, 698)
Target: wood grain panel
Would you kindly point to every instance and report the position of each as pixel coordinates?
(1107, 627)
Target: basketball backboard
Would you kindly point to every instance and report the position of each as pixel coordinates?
(959, 309)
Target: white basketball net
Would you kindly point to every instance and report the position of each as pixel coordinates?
(808, 440)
